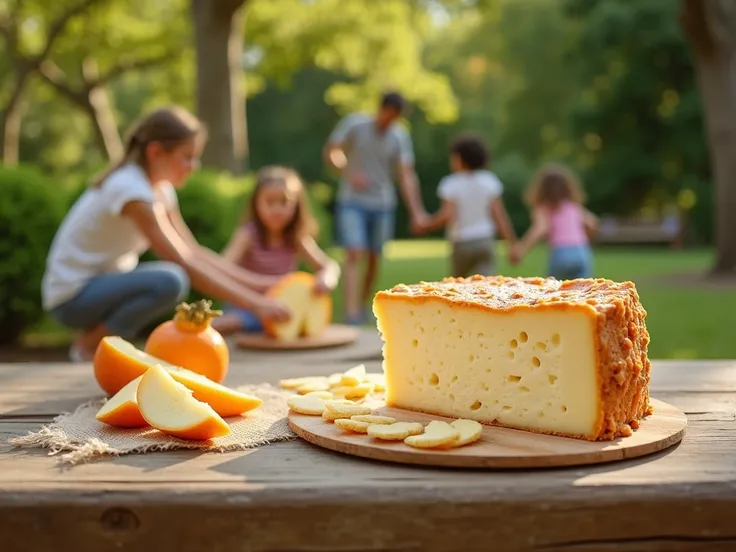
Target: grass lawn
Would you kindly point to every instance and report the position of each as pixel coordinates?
(684, 322)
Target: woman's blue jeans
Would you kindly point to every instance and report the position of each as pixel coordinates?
(126, 302)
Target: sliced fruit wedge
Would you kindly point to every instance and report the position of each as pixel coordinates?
(121, 410)
(169, 406)
(223, 400)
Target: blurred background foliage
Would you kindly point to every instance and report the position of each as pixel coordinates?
(607, 86)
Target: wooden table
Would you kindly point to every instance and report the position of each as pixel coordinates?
(293, 496)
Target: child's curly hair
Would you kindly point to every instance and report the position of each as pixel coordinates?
(553, 184)
(471, 150)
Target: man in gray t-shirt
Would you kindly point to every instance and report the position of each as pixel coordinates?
(371, 153)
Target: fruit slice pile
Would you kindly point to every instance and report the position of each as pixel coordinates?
(354, 383)
(330, 397)
(147, 391)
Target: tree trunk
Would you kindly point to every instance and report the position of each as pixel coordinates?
(102, 117)
(11, 120)
(219, 34)
(97, 105)
(711, 28)
(715, 75)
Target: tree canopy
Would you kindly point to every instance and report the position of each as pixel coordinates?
(614, 88)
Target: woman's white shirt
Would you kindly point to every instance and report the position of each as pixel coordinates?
(94, 238)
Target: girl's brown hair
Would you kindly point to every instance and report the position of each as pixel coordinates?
(169, 126)
(303, 224)
(553, 184)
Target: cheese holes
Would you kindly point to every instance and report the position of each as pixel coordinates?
(476, 405)
(513, 344)
(552, 379)
(536, 362)
(556, 339)
(523, 337)
(541, 346)
(434, 379)
(415, 343)
(513, 379)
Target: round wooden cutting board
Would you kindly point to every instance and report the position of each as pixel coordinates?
(498, 447)
(335, 335)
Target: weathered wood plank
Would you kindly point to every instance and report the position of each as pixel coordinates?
(396, 522)
(296, 497)
(705, 455)
(49, 389)
(703, 376)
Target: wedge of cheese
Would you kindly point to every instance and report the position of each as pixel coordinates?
(310, 313)
(566, 358)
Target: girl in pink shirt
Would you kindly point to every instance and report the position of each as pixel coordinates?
(277, 232)
(556, 200)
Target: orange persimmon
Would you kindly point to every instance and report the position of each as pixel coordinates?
(189, 340)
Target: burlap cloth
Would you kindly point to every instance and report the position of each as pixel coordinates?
(80, 437)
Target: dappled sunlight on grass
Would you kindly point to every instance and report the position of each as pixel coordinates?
(416, 249)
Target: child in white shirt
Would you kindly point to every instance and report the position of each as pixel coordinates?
(472, 209)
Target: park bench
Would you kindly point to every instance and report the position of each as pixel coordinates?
(293, 496)
(636, 231)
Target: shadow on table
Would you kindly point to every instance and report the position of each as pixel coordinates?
(302, 463)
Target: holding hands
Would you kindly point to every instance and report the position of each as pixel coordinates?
(421, 223)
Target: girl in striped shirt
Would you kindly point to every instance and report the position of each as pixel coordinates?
(277, 232)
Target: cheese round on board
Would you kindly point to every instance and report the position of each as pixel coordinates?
(565, 358)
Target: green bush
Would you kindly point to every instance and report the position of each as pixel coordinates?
(210, 204)
(31, 210)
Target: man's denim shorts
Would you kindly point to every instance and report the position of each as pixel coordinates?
(363, 228)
